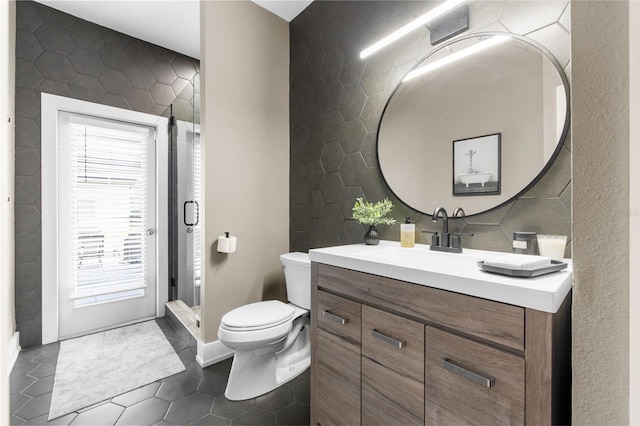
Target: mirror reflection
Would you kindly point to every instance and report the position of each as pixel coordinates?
(479, 85)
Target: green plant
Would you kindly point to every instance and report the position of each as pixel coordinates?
(373, 213)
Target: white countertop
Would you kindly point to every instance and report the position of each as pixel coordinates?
(457, 272)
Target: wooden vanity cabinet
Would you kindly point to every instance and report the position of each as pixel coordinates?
(391, 352)
(472, 383)
(392, 369)
(337, 360)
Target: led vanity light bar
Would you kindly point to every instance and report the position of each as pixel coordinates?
(416, 23)
(485, 44)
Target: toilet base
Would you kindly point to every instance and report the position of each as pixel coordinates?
(256, 372)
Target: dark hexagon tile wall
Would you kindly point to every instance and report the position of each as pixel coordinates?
(336, 101)
(60, 54)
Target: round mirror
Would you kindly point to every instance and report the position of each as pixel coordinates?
(474, 124)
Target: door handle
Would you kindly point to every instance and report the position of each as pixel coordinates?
(184, 216)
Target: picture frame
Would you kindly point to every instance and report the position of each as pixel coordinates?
(476, 165)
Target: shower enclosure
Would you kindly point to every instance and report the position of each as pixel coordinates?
(185, 214)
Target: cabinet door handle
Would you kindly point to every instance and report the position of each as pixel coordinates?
(335, 318)
(484, 381)
(397, 343)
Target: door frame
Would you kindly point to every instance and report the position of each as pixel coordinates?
(51, 105)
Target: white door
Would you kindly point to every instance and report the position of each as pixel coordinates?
(106, 223)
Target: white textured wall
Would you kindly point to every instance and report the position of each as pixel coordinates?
(634, 252)
(600, 128)
(7, 90)
(245, 133)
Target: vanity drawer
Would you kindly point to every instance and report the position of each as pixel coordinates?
(338, 381)
(389, 398)
(393, 341)
(339, 316)
(492, 321)
(459, 386)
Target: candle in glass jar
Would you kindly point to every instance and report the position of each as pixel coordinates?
(552, 246)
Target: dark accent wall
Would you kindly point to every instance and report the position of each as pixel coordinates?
(60, 54)
(336, 102)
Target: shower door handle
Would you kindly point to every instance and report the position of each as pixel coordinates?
(184, 218)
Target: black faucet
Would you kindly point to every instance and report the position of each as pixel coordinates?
(447, 242)
(444, 242)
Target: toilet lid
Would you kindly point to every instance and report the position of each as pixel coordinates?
(257, 316)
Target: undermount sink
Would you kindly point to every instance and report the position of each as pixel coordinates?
(421, 256)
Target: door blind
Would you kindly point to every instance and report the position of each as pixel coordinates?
(108, 185)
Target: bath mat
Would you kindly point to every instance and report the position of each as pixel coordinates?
(99, 366)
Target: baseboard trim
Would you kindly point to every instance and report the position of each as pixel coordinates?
(211, 353)
(14, 350)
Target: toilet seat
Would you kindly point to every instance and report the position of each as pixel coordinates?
(258, 323)
(257, 316)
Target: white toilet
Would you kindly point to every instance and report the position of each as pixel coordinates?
(270, 338)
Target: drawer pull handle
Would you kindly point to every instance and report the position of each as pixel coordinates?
(484, 381)
(397, 343)
(335, 318)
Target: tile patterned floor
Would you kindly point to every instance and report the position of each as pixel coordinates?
(195, 396)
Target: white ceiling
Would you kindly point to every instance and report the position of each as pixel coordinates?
(174, 24)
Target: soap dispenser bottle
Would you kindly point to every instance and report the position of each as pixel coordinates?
(407, 234)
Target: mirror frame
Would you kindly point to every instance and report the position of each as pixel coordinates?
(559, 144)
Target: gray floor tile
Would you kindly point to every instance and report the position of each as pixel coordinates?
(172, 377)
(178, 387)
(171, 335)
(60, 421)
(302, 393)
(197, 396)
(220, 369)
(294, 414)
(195, 370)
(137, 395)
(17, 400)
(34, 408)
(16, 421)
(30, 353)
(146, 412)
(187, 356)
(212, 420)
(276, 399)
(43, 370)
(51, 347)
(92, 406)
(190, 408)
(212, 385)
(40, 387)
(179, 345)
(105, 414)
(23, 368)
(46, 357)
(222, 407)
(215, 378)
(303, 379)
(18, 383)
(255, 417)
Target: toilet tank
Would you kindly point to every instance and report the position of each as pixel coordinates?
(297, 273)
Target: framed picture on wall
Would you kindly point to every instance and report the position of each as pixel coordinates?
(476, 165)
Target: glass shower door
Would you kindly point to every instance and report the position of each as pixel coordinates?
(189, 227)
(186, 165)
